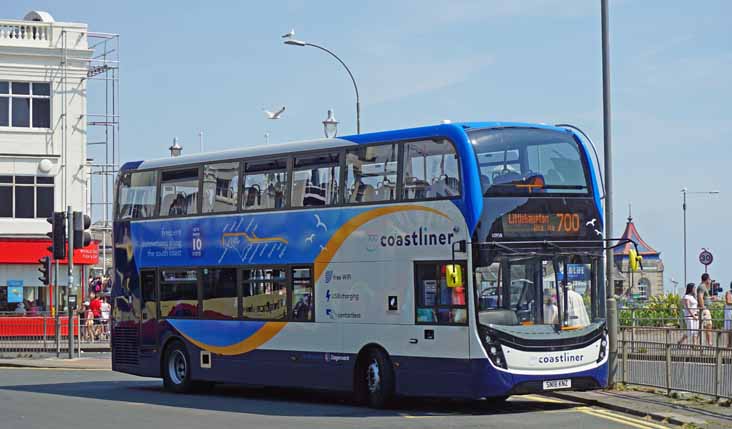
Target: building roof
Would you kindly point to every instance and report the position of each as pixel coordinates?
(631, 232)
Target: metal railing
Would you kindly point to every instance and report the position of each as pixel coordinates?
(42, 335)
(674, 359)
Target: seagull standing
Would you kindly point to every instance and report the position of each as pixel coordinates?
(274, 115)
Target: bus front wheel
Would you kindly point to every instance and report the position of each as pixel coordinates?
(177, 368)
(377, 375)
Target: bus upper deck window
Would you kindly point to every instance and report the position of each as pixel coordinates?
(371, 174)
(315, 180)
(137, 195)
(220, 187)
(179, 192)
(430, 170)
(265, 184)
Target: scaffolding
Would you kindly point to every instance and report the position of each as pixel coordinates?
(103, 141)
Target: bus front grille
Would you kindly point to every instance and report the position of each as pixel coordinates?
(125, 343)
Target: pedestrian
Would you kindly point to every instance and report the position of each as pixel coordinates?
(704, 300)
(691, 316)
(728, 315)
(89, 323)
(96, 307)
(106, 310)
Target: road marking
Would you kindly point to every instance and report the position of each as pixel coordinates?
(54, 369)
(603, 414)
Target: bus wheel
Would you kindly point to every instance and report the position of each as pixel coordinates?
(379, 378)
(177, 368)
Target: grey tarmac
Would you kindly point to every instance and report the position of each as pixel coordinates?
(100, 399)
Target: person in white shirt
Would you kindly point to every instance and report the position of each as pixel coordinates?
(691, 313)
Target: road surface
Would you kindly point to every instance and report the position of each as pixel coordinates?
(101, 399)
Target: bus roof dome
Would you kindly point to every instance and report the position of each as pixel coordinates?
(38, 15)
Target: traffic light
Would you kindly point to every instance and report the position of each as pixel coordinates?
(45, 270)
(57, 235)
(82, 237)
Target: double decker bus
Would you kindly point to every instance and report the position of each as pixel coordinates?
(460, 260)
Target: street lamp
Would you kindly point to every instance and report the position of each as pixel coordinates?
(175, 149)
(684, 192)
(294, 42)
(330, 125)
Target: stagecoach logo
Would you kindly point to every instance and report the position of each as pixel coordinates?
(330, 357)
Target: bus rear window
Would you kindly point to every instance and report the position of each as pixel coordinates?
(523, 161)
(137, 195)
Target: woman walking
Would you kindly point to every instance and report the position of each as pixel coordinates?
(691, 315)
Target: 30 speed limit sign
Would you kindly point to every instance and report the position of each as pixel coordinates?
(705, 257)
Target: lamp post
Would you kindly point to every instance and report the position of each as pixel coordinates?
(330, 125)
(175, 149)
(294, 42)
(684, 192)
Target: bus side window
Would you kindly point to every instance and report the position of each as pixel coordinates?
(179, 192)
(265, 184)
(315, 180)
(371, 173)
(436, 303)
(264, 293)
(136, 195)
(430, 170)
(178, 293)
(302, 295)
(220, 297)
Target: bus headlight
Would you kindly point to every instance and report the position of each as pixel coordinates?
(493, 348)
(603, 349)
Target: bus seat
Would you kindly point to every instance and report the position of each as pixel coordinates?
(369, 194)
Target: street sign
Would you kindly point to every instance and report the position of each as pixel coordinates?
(705, 257)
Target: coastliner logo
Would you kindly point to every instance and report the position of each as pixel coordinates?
(562, 358)
(420, 237)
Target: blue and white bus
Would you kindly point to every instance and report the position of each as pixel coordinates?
(461, 260)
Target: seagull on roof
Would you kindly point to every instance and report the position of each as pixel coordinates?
(291, 33)
(274, 115)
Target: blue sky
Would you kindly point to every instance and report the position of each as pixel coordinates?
(188, 66)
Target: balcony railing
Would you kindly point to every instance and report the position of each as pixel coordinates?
(25, 33)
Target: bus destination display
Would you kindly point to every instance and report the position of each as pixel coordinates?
(551, 224)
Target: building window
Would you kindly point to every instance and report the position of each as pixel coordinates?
(25, 105)
(26, 197)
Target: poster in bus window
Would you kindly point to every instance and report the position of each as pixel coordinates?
(429, 290)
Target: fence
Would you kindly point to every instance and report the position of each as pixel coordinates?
(657, 357)
(34, 335)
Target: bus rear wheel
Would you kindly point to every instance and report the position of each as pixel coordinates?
(177, 369)
(377, 374)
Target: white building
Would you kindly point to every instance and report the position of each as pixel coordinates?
(43, 140)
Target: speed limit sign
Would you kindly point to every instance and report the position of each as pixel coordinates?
(705, 257)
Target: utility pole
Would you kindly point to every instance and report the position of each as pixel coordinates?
(612, 309)
(56, 313)
(70, 284)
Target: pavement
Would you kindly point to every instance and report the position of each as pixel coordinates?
(639, 408)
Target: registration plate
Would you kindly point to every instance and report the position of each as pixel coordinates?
(557, 384)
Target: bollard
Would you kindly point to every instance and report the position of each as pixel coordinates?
(44, 334)
(717, 368)
(668, 361)
(612, 329)
(625, 355)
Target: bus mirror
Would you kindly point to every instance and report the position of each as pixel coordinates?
(454, 273)
(634, 260)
